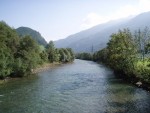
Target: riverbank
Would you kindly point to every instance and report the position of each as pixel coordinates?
(140, 84)
(79, 87)
(45, 67)
(134, 80)
(39, 68)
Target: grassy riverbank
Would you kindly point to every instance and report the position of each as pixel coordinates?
(39, 68)
(22, 55)
(45, 66)
(127, 54)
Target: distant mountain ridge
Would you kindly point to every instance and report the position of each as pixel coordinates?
(22, 31)
(97, 37)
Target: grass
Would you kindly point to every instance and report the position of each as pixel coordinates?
(142, 70)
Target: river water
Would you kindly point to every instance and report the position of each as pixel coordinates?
(79, 87)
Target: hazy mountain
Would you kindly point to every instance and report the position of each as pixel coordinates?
(22, 31)
(98, 36)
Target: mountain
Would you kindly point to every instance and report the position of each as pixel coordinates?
(97, 37)
(22, 31)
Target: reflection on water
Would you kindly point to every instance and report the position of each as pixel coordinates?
(80, 87)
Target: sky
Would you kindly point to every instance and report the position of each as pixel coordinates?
(57, 19)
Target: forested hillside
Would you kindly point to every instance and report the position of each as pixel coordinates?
(98, 36)
(23, 31)
(19, 56)
(128, 54)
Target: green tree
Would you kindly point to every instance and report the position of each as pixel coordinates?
(122, 51)
(28, 56)
(51, 51)
(6, 61)
(147, 48)
(62, 55)
(142, 39)
(9, 42)
(57, 55)
(101, 55)
(66, 55)
(43, 56)
(84, 56)
(19, 55)
(72, 55)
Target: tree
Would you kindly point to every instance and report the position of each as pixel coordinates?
(72, 56)
(147, 48)
(122, 51)
(62, 55)
(9, 42)
(28, 56)
(57, 55)
(66, 55)
(19, 55)
(101, 55)
(43, 56)
(84, 56)
(142, 39)
(51, 51)
(6, 61)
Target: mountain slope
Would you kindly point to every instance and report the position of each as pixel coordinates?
(98, 36)
(22, 31)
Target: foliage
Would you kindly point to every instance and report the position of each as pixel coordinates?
(64, 55)
(122, 54)
(59, 55)
(142, 40)
(84, 56)
(51, 51)
(6, 61)
(72, 55)
(18, 56)
(9, 42)
(101, 55)
(28, 56)
(121, 51)
(43, 56)
(23, 31)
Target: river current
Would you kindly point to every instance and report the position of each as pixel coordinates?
(78, 87)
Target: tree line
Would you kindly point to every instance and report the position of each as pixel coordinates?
(127, 53)
(19, 55)
(84, 56)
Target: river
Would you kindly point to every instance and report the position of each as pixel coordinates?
(79, 87)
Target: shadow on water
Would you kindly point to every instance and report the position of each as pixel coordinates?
(79, 87)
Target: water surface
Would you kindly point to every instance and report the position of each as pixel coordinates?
(79, 87)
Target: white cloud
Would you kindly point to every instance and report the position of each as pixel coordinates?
(93, 19)
(144, 5)
(123, 12)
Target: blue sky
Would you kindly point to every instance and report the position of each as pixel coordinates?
(56, 19)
